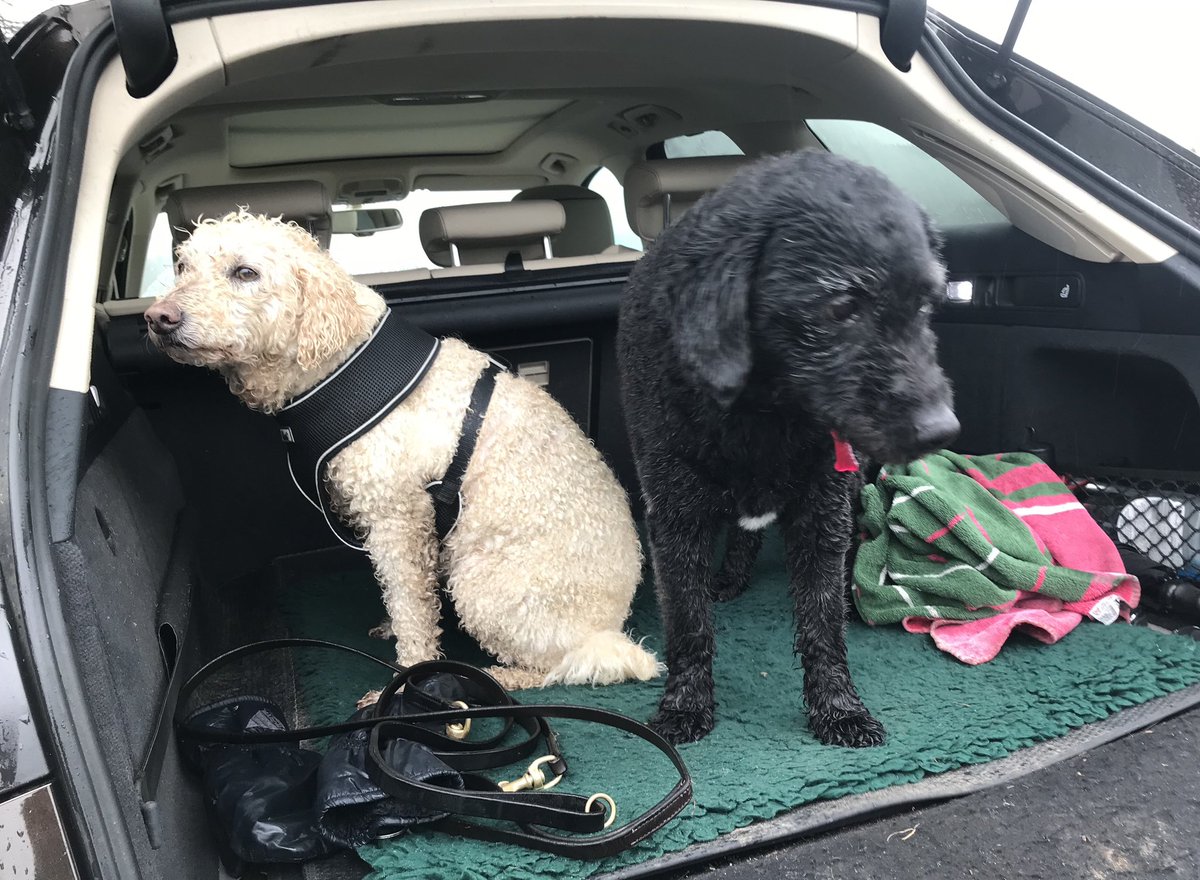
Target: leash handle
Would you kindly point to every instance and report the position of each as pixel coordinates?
(536, 811)
(533, 811)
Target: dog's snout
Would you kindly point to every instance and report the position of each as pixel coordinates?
(164, 316)
(936, 427)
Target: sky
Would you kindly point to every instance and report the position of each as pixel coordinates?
(1139, 55)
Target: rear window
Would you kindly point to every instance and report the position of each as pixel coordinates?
(394, 250)
(706, 143)
(606, 184)
(390, 250)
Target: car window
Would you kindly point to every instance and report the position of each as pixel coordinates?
(706, 143)
(158, 273)
(944, 195)
(390, 250)
(394, 250)
(606, 184)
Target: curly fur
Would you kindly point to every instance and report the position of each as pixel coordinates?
(790, 303)
(543, 563)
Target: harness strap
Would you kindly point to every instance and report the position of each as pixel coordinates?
(447, 492)
(347, 403)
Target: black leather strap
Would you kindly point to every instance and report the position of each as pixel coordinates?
(534, 809)
(538, 814)
(447, 492)
(475, 755)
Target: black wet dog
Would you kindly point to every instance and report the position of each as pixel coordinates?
(789, 304)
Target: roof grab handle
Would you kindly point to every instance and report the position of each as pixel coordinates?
(145, 43)
(901, 32)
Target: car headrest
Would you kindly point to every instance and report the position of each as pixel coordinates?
(465, 235)
(303, 201)
(588, 228)
(659, 191)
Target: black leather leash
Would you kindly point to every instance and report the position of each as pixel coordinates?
(481, 754)
(534, 811)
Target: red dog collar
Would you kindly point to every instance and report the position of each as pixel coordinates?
(844, 461)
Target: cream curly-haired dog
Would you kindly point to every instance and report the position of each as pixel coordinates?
(544, 560)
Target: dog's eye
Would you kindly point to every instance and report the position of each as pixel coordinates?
(245, 273)
(843, 309)
(180, 267)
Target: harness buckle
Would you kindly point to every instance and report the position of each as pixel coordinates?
(287, 435)
(533, 778)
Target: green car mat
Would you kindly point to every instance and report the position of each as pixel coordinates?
(761, 760)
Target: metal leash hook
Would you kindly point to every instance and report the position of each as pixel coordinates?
(534, 778)
(458, 730)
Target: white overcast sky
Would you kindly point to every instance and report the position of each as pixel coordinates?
(1139, 55)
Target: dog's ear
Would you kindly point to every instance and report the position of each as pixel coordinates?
(329, 313)
(711, 323)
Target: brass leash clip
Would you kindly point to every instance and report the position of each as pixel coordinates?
(533, 778)
(458, 730)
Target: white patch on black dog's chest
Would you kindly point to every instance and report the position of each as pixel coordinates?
(757, 523)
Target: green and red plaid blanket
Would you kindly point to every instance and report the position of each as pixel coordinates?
(966, 538)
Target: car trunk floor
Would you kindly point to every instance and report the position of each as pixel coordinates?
(1113, 811)
(761, 777)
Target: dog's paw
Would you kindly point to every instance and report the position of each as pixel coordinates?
(383, 631)
(683, 727)
(855, 729)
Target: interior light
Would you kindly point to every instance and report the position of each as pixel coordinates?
(960, 291)
(443, 98)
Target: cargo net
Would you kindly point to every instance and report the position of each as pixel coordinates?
(1159, 518)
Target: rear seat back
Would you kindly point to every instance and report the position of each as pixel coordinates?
(658, 192)
(588, 228)
(305, 202)
(471, 235)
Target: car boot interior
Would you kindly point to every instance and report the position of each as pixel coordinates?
(1067, 328)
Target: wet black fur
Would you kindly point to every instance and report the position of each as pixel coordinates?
(789, 303)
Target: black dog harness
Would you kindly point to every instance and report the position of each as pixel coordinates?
(355, 397)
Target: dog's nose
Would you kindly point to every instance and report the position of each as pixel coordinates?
(936, 426)
(164, 316)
